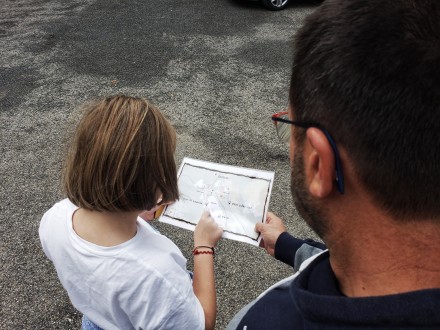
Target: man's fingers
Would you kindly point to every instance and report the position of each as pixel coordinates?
(269, 217)
(259, 227)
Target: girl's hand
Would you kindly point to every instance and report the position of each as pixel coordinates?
(207, 231)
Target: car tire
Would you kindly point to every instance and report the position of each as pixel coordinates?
(275, 4)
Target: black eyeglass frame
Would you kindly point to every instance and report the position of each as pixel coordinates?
(339, 174)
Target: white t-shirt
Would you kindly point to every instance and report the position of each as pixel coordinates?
(140, 284)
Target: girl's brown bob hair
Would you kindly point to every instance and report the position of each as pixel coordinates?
(121, 157)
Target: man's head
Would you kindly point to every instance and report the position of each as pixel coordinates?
(369, 72)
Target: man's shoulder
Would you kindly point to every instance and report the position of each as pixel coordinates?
(268, 311)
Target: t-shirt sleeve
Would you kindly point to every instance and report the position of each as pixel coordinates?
(293, 251)
(44, 233)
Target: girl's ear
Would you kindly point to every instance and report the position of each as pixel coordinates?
(319, 162)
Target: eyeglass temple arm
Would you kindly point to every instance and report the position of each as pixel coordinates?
(338, 165)
(296, 123)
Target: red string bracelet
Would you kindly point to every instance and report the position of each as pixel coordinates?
(196, 251)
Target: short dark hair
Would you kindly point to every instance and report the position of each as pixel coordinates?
(369, 71)
(121, 156)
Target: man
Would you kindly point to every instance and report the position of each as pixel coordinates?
(364, 115)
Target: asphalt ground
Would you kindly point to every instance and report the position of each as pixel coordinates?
(217, 69)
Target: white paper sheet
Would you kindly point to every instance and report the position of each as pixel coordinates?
(236, 197)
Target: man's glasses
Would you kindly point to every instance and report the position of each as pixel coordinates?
(282, 124)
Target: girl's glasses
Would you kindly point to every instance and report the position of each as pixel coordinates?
(282, 125)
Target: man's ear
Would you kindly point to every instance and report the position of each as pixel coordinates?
(319, 162)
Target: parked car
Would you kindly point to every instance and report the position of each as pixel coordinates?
(275, 4)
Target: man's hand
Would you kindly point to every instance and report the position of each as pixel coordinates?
(270, 231)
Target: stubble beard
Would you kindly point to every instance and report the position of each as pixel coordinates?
(307, 208)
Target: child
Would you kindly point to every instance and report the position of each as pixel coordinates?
(118, 271)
